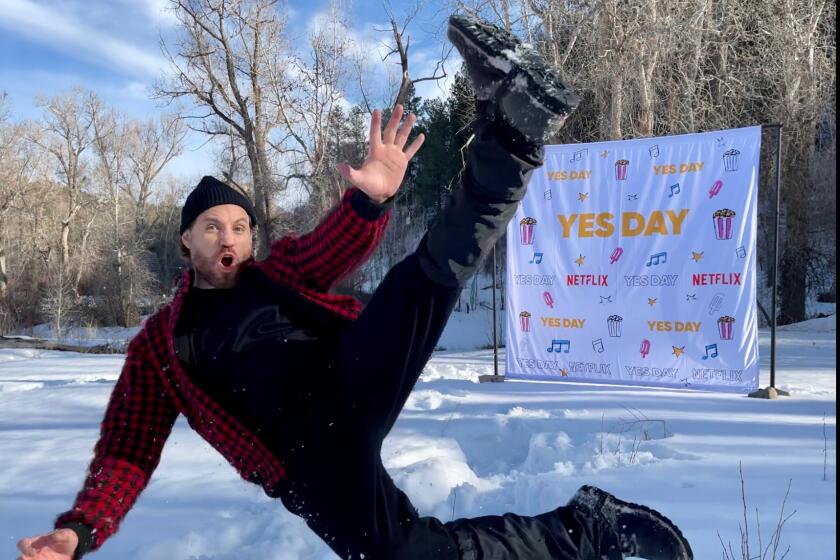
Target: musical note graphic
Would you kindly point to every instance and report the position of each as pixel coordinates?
(721, 142)
(606, 299)
(557, 346)
(536, 259)
(631, 197)
(598, 345)
(547, 194)
(713, 348)
(549, 301)
(616, 254)
(658, 258)
(654, 151)
(715, 190)
(685, 382)
(741, 252)
(578, 155)
(675, 189)
(690, 297)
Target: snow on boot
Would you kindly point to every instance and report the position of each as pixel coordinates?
(642, 532)
(488, 52)
(531, 98)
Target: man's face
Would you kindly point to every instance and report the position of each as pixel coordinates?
(219, 242)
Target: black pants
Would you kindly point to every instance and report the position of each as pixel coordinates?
(332, 446)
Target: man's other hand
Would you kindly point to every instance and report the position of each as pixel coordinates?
(383, 170)
(58, 545)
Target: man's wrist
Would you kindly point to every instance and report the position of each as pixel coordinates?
(367, 207)
(85, 535)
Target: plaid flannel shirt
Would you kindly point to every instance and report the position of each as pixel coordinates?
(153, 387)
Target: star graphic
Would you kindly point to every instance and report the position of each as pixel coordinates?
(579, 260)
(563, 373)
(696, 256)
(604, 154)
(582, 196)
(678, 350)
(651, 301)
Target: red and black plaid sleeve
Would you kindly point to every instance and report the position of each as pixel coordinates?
(343, 240)
(137, 422)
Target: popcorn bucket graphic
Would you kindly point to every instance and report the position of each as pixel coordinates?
(722, 220)
(725, 325)
(621, 169)
(614, 325)
(526, 231)
(525, 321)
(730, 159)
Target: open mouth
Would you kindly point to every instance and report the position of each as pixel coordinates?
(227, 261)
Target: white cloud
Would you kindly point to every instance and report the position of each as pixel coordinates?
(51, 27)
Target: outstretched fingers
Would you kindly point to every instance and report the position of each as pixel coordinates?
(375, 136)
(391, 128)
(414, 146)
(405, 130)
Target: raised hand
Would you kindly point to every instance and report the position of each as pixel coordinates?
(383, 170)
(58, 545)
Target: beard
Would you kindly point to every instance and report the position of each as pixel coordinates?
(209, 273)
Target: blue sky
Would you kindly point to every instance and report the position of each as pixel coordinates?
(112, 48)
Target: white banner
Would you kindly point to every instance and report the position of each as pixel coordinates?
(633, 262)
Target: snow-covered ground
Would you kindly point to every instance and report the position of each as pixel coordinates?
(459, 449)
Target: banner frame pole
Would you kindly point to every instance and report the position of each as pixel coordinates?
(495, 378)
(495, 339)
(776, 255)
(776, 227)
(771, 392)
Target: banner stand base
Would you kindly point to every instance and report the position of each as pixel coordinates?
(491, 378)
(768, 393)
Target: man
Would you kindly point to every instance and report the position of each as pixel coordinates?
(298, 388)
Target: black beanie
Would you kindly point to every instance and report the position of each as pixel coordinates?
(211, 192)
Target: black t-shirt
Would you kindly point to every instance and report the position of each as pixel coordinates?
(253, 347)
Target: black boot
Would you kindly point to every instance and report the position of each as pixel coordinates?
(530, 96)
(642, 532)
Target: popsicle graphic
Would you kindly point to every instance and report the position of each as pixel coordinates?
(715, 190)
(645, 349)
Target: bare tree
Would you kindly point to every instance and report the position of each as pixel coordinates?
(400, 48)
(307, 110)
(152, 144)
(18, 164)
(228, 52)
(67, 133)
